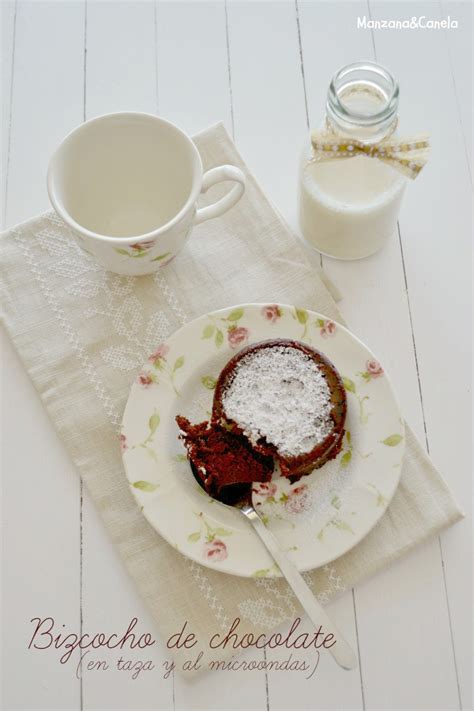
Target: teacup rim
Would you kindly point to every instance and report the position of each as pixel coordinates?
(69, 220)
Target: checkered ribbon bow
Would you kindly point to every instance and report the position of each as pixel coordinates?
(406, 156)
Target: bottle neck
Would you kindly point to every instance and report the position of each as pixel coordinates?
(362, 102)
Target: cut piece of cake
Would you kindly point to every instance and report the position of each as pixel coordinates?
(223, 460)
(287, 399)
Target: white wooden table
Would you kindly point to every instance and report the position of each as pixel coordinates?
(263, 68)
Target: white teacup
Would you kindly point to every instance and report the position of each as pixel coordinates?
(127, 185)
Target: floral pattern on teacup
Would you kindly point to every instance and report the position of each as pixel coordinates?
(142, 246)
(135, 251)
(165, 256)
(138, 250)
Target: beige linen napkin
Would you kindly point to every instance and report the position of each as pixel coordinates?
(101, 327)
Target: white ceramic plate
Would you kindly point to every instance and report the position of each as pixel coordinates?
(317, 519)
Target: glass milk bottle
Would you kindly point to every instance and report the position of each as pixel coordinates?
(348, 207)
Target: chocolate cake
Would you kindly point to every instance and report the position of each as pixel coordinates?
(277, 401)
(223, 460)
(287, 400)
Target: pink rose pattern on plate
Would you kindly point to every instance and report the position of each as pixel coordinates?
(373, 370)
(294, 501)
(271, 312)
(159, 355)
(145, 379)
(215, 550)
(237, 336)
(328, 328)
(298, 500)
(123, 443)
(162, 368)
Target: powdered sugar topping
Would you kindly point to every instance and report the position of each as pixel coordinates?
(280, 393)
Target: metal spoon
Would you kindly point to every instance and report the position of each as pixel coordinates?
(240, 496)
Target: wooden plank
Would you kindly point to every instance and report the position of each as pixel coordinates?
(40, 551)
(40, 556)
(121, 58)
(42, 87)
(317, 687)
(120, 74)
(435, 228)
(110, 600)
(269, 115)
(375, 305)
(193, 73)
(8, 28)
(270, 127)
(459, 43)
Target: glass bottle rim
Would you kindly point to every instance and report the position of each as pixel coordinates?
(375, 74)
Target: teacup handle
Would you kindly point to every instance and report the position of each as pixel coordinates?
(216, 175)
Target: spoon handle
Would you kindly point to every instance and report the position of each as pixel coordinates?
(341, 651)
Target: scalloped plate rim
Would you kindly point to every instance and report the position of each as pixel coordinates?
(388, 498)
